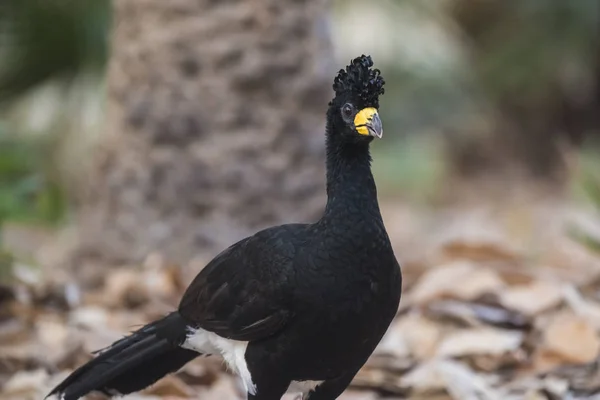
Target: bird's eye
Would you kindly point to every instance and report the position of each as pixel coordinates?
(347, 110)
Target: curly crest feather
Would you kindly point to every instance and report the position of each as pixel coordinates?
(361, 80)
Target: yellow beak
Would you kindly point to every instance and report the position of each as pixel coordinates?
(367, 122)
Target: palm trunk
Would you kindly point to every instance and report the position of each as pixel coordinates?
(215, 128)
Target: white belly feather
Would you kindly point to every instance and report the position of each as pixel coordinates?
(233, 353)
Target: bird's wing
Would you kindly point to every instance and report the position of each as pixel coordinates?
(242, 293)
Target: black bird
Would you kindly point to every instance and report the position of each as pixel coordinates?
(303, 303)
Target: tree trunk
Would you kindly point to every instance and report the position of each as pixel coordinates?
(216, 115)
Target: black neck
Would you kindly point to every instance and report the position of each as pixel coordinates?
(350, 183)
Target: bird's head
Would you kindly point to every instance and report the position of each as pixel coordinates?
(353, 112)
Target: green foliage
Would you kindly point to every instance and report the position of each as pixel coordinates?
(43, 41)
(526, 45)
(411, 167)
(588, 185)
(46, 40)
(6, 266)
(28, 191)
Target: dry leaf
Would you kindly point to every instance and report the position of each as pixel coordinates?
(461, 279)
(455, 377)
(170, 386)
(357, 395)
(494, 363)
(125, 287)
(12, 330)
(544, 360)
(580, 378)
(425, 378)
(198, 372)
(535, 395)
(585, 309)
(383, 381)
(90, 317)
(160, 282)
(572, 338)
(394, 343)
(139, 396)
(52, 326)
(25, 385)
(479, 251)
(464, 384)
(52, 337)
(224, 388)
(473, 314)
(480, 341)
(556, 386)
(533, 298)
(420, 334)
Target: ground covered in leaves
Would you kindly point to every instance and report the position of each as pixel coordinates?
(499, 303)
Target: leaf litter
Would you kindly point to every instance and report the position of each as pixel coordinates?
(481, 319)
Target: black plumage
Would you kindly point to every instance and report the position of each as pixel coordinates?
(296, 302)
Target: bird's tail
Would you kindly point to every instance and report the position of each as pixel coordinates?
(132, 363)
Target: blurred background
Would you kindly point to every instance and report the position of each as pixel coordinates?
(140, 138)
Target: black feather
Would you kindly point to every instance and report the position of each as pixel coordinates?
(360, 80)
(133, 362)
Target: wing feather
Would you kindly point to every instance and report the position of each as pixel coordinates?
(242, 294)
